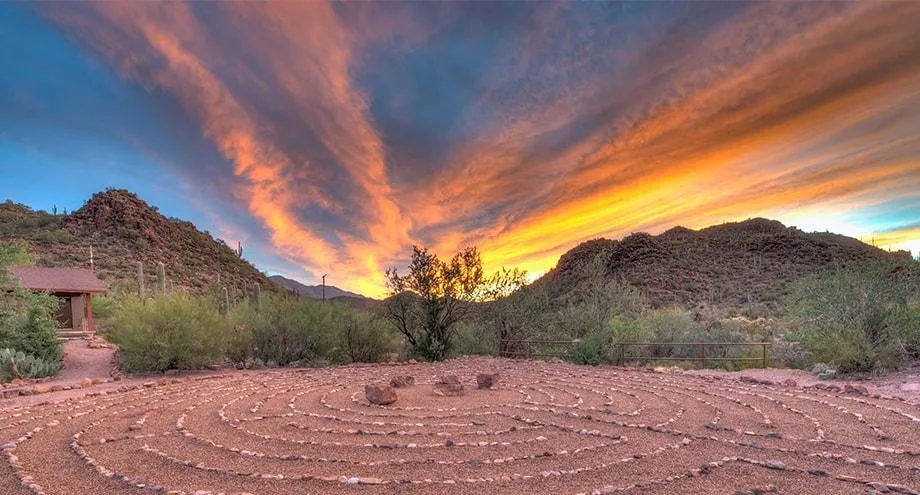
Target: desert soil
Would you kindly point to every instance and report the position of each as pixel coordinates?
(544, 428)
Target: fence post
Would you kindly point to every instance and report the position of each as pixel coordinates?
(764, 355)
(703, 354)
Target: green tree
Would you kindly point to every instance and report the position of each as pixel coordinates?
(426, 303)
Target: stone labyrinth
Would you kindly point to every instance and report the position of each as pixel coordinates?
(544, 428)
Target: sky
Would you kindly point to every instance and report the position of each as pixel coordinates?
(331, 137)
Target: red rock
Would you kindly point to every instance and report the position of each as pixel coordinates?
(449, 379)
(851, 388)
(448, 389)
(380, 395)
(402, 381)
(486, 380)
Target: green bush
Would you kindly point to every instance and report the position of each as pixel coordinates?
(301, 331)
(16, 364)
(168, 331)
(367, 339)
(856, 320)
(105, 306)
(26, 320)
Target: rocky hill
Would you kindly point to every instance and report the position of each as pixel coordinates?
(122, 230)
(314, 291)
(744, 266)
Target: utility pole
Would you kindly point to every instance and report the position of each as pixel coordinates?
(324, 287)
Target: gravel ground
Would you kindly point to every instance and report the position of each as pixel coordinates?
(544, 428)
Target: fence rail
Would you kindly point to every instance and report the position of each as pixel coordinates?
(506, 349)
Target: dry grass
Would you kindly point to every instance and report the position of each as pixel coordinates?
(545, 428)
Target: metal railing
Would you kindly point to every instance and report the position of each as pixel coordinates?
(512, 348)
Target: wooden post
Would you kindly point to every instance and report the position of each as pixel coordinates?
(703, 354)
(764, 355)
(89, 314)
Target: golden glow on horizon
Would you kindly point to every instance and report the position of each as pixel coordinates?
(808, 123)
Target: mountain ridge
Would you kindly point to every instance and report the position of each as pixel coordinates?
(747, 264)
(122, 230)
(314, 291)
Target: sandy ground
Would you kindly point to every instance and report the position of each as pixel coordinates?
(903, 383)
(544, 428)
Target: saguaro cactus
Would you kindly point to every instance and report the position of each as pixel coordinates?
(225, 303)
(161, 278)
(257, 297)
(140, 278)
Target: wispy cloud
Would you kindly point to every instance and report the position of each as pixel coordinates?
(355, 130)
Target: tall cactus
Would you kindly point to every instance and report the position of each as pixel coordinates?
(257, 297)
(161, 278)
(140, 278)
(225, 303)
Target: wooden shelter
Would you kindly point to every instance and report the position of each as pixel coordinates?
(74, 287)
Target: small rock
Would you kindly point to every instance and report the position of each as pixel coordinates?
(776, 465)
(449, 380)
(7, 446)
(910, 387)
(789, 382)
(86, 382)
(486, 380)
(448, 389)
(42, 389)
(852, 388)
(380, 395)
(402, 381)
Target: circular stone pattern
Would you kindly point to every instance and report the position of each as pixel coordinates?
(543, 428)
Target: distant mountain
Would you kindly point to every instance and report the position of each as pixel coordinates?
(315, 291)
(122, 230)
(734, 265)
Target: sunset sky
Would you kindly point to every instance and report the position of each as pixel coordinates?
(330, 137)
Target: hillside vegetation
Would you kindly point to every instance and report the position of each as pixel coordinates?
(745, 267)
(122, 230)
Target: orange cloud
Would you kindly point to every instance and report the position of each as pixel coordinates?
(787, 110)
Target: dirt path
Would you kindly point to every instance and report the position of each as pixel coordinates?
(82, 361)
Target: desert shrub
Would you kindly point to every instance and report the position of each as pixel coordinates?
(17, 364)
(104, 306)
(856, 320)
(474, 338)
(367, 338)
(589, 350)
(26, 320)
(289, 330)
(168, 331)
(36, 332)
(300, 331)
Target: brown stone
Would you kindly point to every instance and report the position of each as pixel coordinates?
(402, 381)
(789, 382)
(86, 382)
(486, 380)
(448, 389)
(851, 388)
(380, 395)
(449, 379)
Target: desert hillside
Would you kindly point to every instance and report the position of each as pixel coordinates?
(744, 265)
(122, 230)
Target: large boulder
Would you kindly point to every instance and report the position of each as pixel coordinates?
(402, 381)
(486, 380)
(380, 395)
